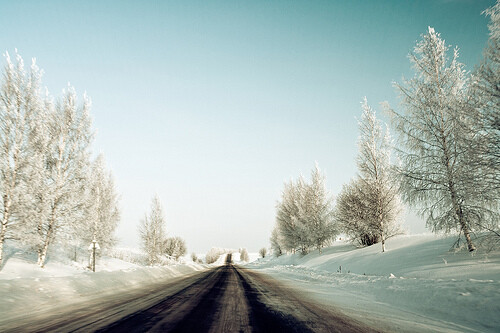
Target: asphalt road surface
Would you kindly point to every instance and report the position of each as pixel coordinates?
(224, 299)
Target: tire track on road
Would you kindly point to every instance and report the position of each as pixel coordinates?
(225, 299)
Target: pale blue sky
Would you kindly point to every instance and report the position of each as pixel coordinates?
(214, 104)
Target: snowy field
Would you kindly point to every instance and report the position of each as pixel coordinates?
(417, 285)
(25, 288)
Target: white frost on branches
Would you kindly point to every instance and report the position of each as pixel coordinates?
(66, 164)
(101, 214)
(369, 208)
(435, 134)
(152, 231)
(304, 216)
(46, 181)
(21, 127)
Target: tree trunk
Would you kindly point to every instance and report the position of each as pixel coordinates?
(42, 253)
(461, 220)
(5, 221)
(466, 231)
(454, 199)
(2, 240)
(382, 236)
(383, 241)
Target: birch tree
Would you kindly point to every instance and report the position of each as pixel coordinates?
(354, 214)
(376, 182)
(152, 231)
(357, 215)
(435, 172)
(276, 242)
(21, 124)
(488, 85)
(101, 213)
(318, 212)
(304, 217)
(289, 226)
(292, 217)
(485, 100)
(174, 247)
(67, 162)
(244, 255)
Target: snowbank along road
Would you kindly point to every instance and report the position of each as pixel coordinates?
(224, 299)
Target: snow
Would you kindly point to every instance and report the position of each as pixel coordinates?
(26, 288)
(417, 285)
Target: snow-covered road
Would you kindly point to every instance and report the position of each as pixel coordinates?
(222, 299)
(418, 285)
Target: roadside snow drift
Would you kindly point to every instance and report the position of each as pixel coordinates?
(417, 285)
(25, 288)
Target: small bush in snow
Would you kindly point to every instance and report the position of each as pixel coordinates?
(129, 256)
(263, 252)
(213, 255)
(174, 247)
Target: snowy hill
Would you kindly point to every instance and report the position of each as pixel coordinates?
(417, 285)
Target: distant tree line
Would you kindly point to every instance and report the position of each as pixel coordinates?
(51, 189)
(447, 163)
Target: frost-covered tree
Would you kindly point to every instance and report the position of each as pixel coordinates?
(376, 179)
(354, 214)
(21, 128)
(44, 163)
(435, 171)
(152, 231)
(263, 252)
(289, 225)
(101, 214)
(214, 254)
(485, 102)
(174, 247)
(276, 242)
(244, 255)
(317, 211)
(66, 164)
(489, 80)
(304, 216)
